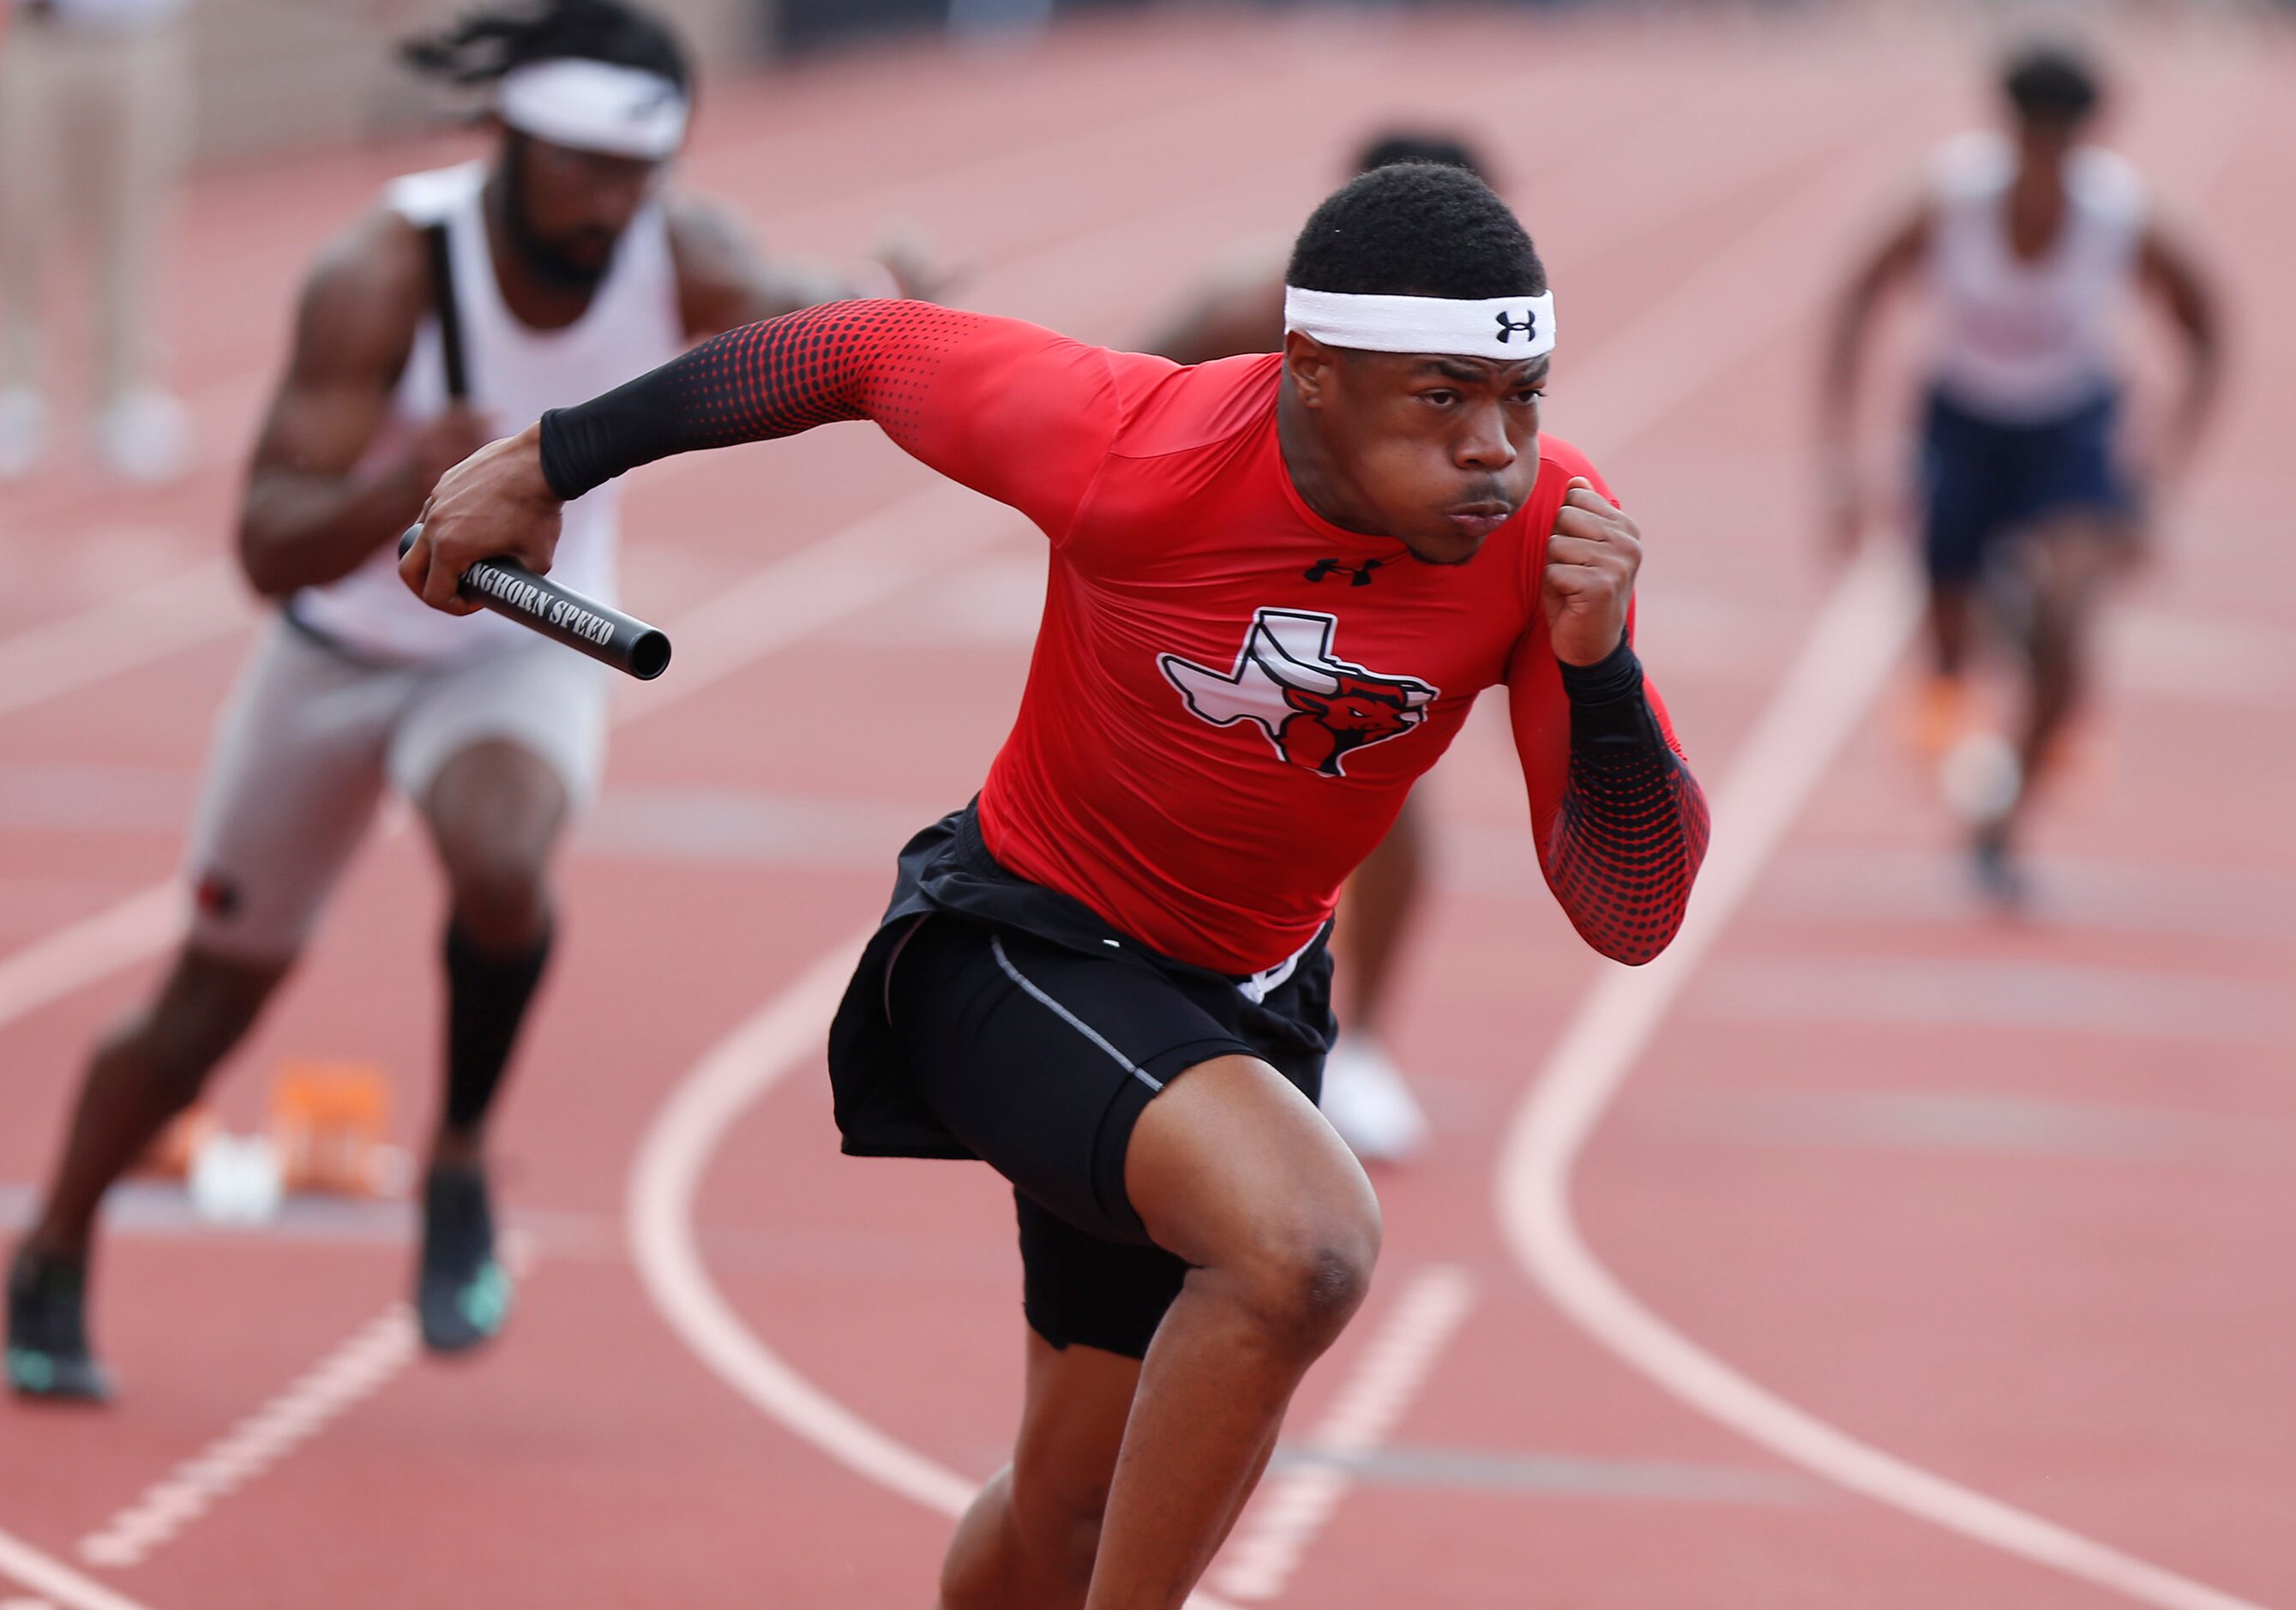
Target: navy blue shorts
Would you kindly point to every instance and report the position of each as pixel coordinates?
(1982, 479)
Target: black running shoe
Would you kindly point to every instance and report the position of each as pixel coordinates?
(462, 1292)
(48, 1331)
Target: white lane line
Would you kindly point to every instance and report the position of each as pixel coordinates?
(352, 1373)
(1288, 1514)
(56, 1580)
(923, 535)
(363, 1365)
(143, 924)
(672, 1160)
(197, 606)
(670, 1163)
(1861, 630)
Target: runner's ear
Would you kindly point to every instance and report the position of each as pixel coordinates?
(1308, 364)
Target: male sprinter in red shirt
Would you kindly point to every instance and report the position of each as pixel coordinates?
(1107, 975)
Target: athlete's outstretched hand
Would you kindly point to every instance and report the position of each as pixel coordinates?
(1591, 561)
(494, 503)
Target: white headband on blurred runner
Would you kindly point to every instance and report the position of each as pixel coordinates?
(1499, 326)
(623, 111)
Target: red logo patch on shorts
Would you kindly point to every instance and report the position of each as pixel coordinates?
(216, 896)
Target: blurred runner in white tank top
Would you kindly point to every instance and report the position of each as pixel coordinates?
(2032, 244)
(571, 268)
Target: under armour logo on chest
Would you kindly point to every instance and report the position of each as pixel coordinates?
(1357, 575)
(1526, 326)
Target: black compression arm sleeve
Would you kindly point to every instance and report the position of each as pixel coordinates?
(840, 360)
(1633, 823)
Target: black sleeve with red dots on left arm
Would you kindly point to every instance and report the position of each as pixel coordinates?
(1622, 824)
(1006, 408)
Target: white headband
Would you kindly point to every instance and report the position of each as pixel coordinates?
(1499, 326)
(623, 111)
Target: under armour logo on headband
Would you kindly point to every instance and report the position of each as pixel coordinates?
(1457, 326)
(1526, 326)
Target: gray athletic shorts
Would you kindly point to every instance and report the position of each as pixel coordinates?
(310, 737)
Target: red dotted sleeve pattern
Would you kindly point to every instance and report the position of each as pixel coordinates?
(1632, 828)
(1621, 824)
(841, 360)
(1001, 406)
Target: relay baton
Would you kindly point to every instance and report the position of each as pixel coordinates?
(561, 614)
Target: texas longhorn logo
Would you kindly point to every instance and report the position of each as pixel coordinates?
(1315, 708)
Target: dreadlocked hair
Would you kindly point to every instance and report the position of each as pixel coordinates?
(484, 46)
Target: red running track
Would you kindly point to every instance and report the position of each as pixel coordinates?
(2007, 1203)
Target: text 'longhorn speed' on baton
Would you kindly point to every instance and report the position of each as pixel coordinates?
(561, 614)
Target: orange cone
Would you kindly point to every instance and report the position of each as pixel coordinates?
(331, 1125)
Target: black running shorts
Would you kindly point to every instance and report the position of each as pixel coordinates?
(1040, 1059)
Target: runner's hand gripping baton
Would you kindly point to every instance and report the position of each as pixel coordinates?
(540, 604)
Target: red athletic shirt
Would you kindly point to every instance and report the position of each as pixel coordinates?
(1230, 696)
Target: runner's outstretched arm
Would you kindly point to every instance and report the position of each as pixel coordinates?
(1010, 409)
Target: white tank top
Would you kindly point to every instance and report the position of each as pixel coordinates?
(515, 372)
(2026, 341)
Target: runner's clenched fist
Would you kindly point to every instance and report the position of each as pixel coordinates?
(1589, 579)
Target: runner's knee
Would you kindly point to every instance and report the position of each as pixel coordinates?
(498, 871)
(1303, 1286)
(1232, 1170)
(1302, 1269)
(501, 893)
(495, 811)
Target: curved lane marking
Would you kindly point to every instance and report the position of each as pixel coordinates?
(1864, 627)
(672, 1160)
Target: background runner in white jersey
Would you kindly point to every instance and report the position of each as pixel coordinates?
(515, 372)
(568, 268)
(2032, 242)
(2021, 340)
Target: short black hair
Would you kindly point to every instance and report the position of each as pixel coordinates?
(1393, 145)
(1416, 229)
(486, 45)
(2051, 82)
